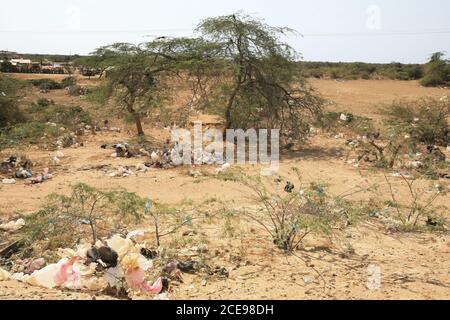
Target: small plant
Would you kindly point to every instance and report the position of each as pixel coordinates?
(437, 71)
(40, 105)
(68, 82)
(424, 120)
(419, 211)
(26, 133)
(46, 84)
(290, 218)
(86, 213)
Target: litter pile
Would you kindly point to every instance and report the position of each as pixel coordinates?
(20, 169)
(122, 150)
(118, 264)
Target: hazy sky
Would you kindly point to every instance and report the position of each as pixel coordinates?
(345, 30)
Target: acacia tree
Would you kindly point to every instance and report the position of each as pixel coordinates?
(138, 74)
(263, 87)
(437, 71)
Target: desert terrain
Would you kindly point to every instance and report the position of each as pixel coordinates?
(412, 265)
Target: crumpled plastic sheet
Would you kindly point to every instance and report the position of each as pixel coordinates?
(73, 274)
(13, 226)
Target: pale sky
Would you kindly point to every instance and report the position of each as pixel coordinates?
(347, 30)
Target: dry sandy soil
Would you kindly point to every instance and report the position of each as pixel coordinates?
(413, 266)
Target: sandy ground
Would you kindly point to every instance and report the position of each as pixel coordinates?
(412, 266)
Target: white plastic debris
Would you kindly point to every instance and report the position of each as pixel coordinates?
(225, 167)
(155, 157)
(4, 275)
(60, 154)
(162, 297)
(414, 165)
(55, 161)
(44, 277)
(268, 172)
(13, 226)
(8, 181)
(120, 245)
(344, 117)
(142, 167)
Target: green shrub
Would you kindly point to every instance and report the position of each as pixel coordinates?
(26, 133)
(70, 116)
(437, 71)
(10, 90)
(40, 105)
(46, 84)
(68, 82)
(86, 214)
(424, 120)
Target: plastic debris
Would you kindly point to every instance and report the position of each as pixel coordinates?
(268, 172)
(343, 117)
(8, 181)
(13, 226)
(122, 151)
(23, 174)
(122, 263)
(289, 187)
(122, 172)
(224, 168)
(4, 275)
(35, 265)
(46, 175)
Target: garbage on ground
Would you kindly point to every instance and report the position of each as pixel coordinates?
(8, 181)
(343, 117)
(4, 275)
(225, 167)
(142, 167)
(23, 173)
(118, 264)
(122, 150)
(289, 187)
(269, 172)
(122, 172)
(13, 226)
(46, 175)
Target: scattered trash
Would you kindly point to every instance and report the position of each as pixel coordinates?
(195, 173)
(23, 174)
(225, 167)
(289, 187)
(4, 275)
(309, 279)
(142, 167)
(122, 172)
(13, 226)
(122, 151)
(268, 172)
(431, 222)
(43, 177)
(8, 181)
(149, 254)
(343, 117)
(414, 165)
(34, 265)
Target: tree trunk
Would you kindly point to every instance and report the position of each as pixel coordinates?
(230, 107)
(137, 119)
(139, 128)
